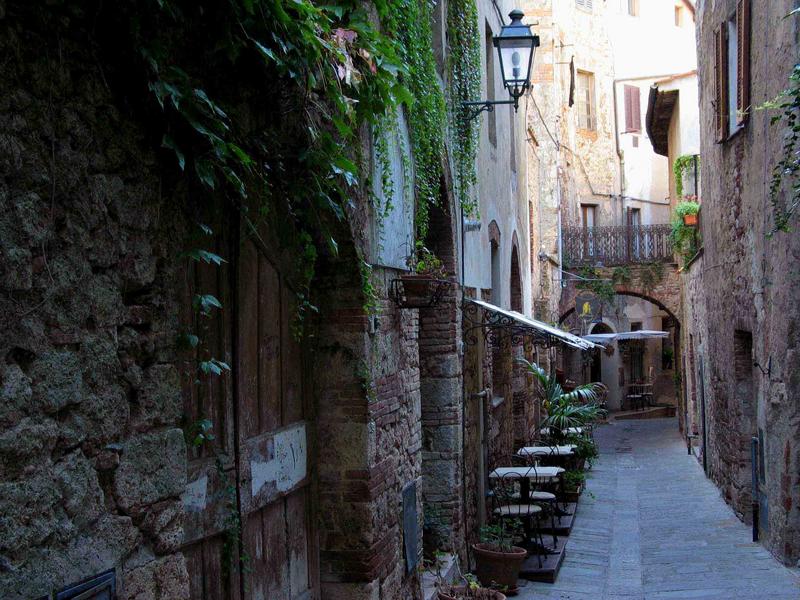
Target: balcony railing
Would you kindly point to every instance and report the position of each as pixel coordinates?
(616, 245)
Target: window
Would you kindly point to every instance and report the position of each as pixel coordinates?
(587, 215)
(732, 72)
(584, 4)
(633, 109)
(636, 326)
(588, 221)
(633, 8)
(585, 100)
(490, 92)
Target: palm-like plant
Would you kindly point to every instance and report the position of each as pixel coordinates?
(565, 409)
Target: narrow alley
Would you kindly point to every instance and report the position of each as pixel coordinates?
(653, 527)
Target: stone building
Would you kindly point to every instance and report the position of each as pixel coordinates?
(340, 451)
(741, 297)
(598, 190)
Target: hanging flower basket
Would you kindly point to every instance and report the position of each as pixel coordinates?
(690, 219)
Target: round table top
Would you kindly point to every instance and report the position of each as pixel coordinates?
(575, 430)
(546, 450)
(526, 472)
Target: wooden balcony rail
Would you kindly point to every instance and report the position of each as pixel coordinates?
(616, 245)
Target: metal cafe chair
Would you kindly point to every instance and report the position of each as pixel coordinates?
(507, 504)
(634, 396)
(547, 500)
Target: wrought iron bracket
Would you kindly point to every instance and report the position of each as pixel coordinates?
(501, 327)
(477, 107)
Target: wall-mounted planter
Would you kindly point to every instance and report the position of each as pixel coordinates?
(690, 220)
(417, 291)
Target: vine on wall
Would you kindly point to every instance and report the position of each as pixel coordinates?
(410, 22)
(464, 64)
(787, 168)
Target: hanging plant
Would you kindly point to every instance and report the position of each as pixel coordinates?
(684, 237)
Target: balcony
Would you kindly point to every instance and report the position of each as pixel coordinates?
(616, 245)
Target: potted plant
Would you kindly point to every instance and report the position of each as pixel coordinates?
(470, 589)
(426, 275)
(574, 481)
(497, 559)
(684, 229)
(585, 450)
(565, 410)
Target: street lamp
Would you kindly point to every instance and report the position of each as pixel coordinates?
(516, 46)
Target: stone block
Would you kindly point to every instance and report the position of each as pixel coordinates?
(57, 380)
(158, 401)
(15, 393)
(162, 579)
(81, 495)
(152, 468)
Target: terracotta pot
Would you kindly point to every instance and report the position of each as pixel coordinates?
(484, 594)
(499, 569)
(417, 289)
(573, 495)
(690, 219)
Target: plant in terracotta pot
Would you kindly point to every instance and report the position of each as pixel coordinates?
(426, 274)
(684, 229)
(468, 588)
(497, 559)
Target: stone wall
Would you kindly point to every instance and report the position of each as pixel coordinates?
(92, 462)
(750, 283)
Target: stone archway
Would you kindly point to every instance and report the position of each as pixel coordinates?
(663, 293)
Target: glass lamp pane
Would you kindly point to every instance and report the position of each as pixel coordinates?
(515, 58)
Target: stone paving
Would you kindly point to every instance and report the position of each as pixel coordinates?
(657, 529)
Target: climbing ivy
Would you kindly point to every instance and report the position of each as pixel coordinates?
(464, 65)
(592, 281)
(786, 169)
(410, 23)
(679, 167)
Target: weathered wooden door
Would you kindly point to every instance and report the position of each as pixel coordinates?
(260, 476)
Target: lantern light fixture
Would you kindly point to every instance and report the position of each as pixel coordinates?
(516, 46)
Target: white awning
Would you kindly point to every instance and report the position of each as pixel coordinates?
(512, 318)
(607, 338)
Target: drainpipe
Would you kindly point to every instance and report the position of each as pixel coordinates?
(619, 154)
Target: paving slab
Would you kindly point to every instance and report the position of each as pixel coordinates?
(651, 526)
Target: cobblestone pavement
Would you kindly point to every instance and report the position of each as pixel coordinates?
(657, 529)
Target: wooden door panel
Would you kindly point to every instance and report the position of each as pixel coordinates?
(268, 435)
(264, 537)
(298, 544)
(270, 346)
(207, 577)
(292, 371)
(247, 363)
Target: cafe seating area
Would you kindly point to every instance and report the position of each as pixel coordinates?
(537, 490)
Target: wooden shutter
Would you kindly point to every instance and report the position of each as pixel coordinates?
(633, 109)
(743, 61)
(721, 82)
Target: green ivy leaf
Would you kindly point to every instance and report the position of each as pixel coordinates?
(168, 142)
